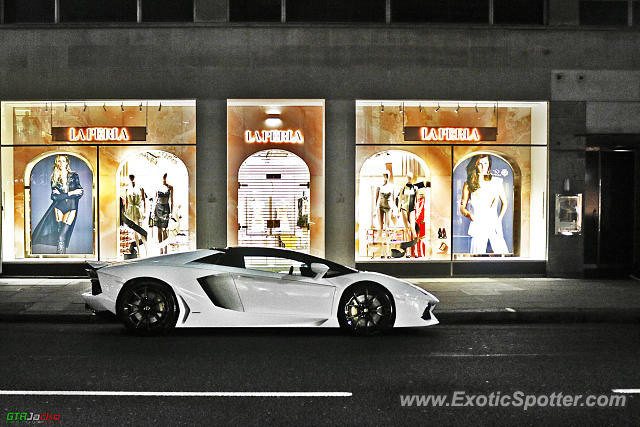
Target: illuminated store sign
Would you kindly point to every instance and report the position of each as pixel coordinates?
(274, 136)
(449, 134)
(99, 134)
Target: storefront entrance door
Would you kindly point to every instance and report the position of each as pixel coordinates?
(609, 212)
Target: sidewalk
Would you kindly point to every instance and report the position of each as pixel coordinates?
(462, 300)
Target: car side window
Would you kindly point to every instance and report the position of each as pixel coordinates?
(283, 266)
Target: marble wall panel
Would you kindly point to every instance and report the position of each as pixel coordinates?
(374, 126)
(166, 125)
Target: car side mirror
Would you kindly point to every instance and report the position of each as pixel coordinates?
(319, 269)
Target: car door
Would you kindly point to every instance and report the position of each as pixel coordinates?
(276, 285)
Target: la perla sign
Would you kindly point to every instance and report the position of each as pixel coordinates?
(444, 134)
(99, 134)
(288, 136)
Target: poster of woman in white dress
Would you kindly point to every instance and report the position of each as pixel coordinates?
(483, 209)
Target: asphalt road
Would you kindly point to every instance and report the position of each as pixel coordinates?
(535, 360)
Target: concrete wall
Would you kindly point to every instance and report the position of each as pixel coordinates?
(213, 62)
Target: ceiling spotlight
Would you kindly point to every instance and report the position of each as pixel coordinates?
(46, 107)
(437, 109)
(420, 108)
(476, 108)
(457, 108)
(122, 107)
(402, 108)
(273, 119)
(104, 107)
(382, 108)
(160, 107)
(141, 107)
(84, 108)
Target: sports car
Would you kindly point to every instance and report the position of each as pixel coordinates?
(254, 287)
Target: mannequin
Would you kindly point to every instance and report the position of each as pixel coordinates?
(407, 201)
(162, 211)
(134, 198)
(385, 207)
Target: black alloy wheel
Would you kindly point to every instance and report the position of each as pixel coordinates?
(148, 308)
(366, 309)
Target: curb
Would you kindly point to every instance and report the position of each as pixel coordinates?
(58, 318)
(539, 316)
(446, 317)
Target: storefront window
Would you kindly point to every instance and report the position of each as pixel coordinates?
(97, 179)
(449, 180)
(275, 166)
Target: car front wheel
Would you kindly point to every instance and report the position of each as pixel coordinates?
(148, 308)
(366, 309)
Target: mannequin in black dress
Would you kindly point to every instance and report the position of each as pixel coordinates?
(162, 212)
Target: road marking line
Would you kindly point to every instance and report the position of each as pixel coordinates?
(178, 393)
(426, 356)
(626, 390)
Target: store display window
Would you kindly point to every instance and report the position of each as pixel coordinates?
(101, 180)
(275, 166)
(449, 180)
(60, 205)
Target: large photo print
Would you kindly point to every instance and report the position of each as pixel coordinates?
(61, 206)
(483, 205)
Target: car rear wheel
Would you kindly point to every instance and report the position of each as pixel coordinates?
(148, 308)
(366, 309)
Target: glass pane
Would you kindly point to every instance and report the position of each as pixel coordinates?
(471, 11)
(518, 12)
(603, 13)
(279, 265)
(17, 11)
(102, 11)
(167, 10)
(254, 10)
(336, 10)
(402, 202)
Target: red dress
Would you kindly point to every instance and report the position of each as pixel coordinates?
(420, 248)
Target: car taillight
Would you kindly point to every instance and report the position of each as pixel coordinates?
(426, 315)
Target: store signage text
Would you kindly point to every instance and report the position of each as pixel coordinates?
(449, 134)
(99, 134)
(274, 136)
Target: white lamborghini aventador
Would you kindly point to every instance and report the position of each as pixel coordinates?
(254, 287)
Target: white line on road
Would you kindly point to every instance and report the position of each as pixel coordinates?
(178, 393)
(626, 390)
(445, 355)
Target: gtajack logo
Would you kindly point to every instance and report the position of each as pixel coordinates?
(33, 418)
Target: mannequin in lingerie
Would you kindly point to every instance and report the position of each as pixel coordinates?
(385, 207)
